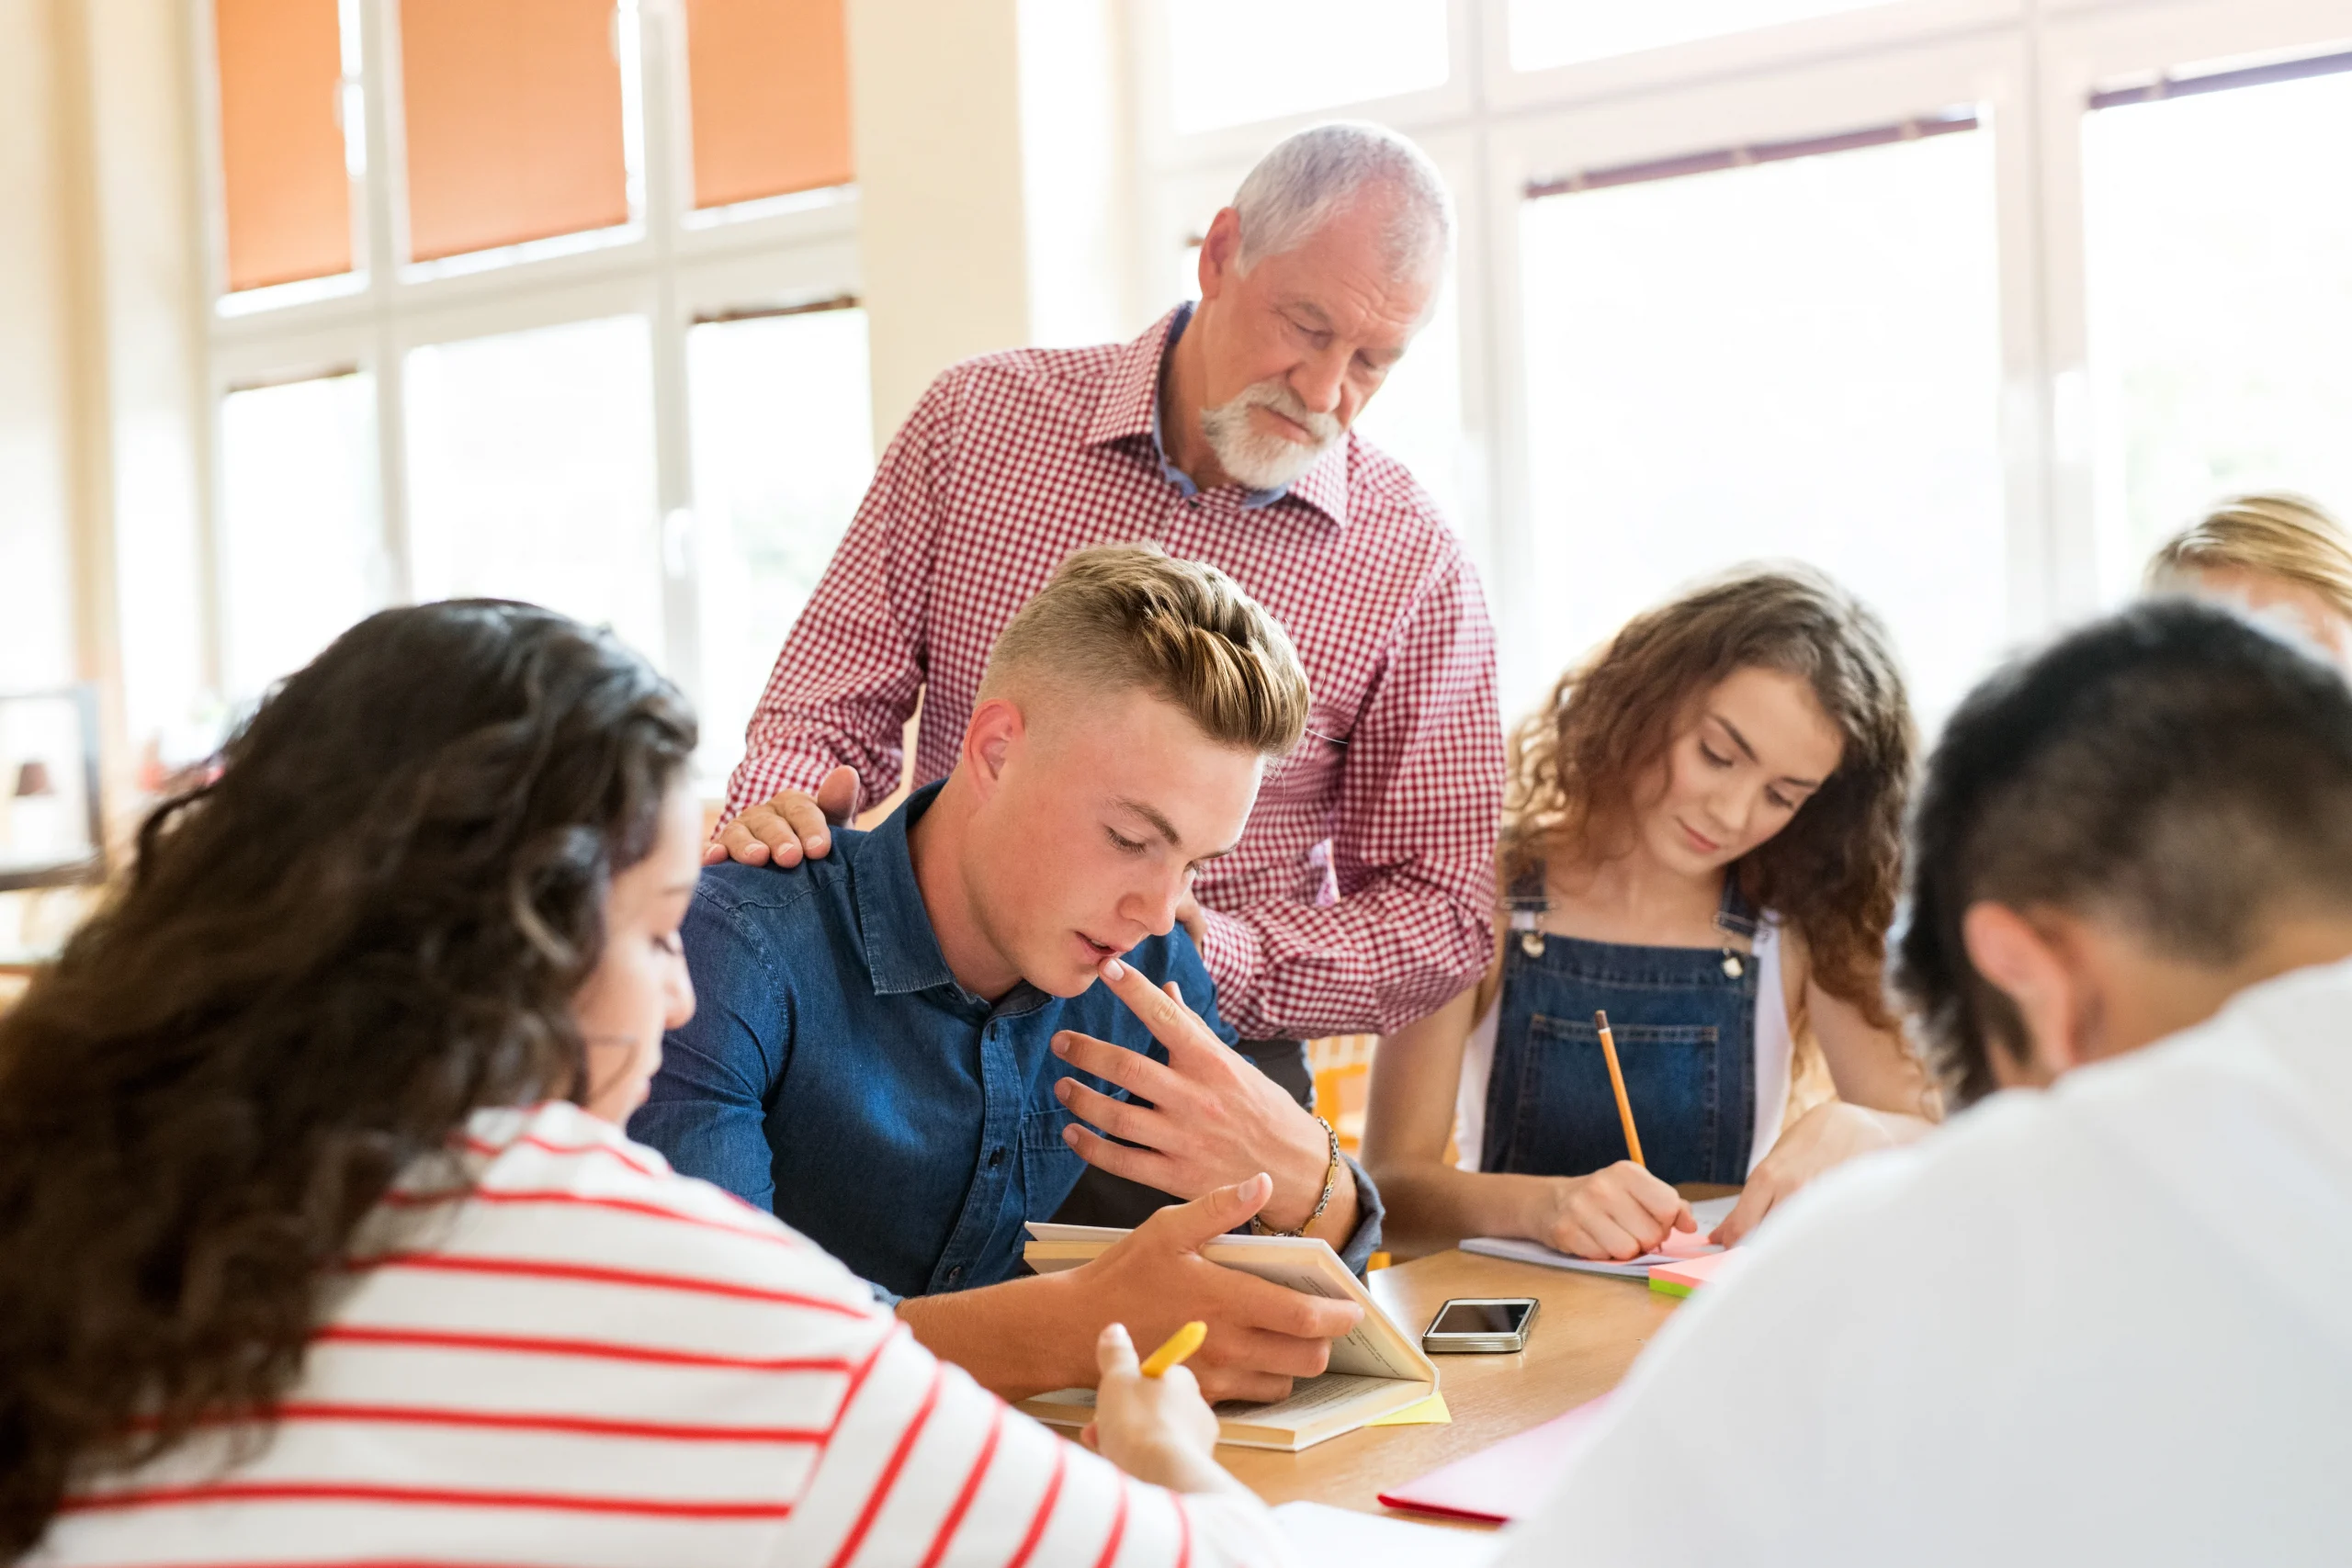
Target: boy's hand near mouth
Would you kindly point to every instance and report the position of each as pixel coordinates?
(1206, 1120)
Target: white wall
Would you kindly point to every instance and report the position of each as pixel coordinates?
(35, 394)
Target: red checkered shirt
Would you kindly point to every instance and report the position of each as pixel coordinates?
(1360, 896)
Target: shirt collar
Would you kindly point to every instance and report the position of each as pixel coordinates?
(902, 950)
(1129, 407)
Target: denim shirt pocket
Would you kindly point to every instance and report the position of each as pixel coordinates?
(1049, 1166)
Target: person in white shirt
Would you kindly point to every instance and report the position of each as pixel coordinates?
(2105, 1316)
(320, 1241)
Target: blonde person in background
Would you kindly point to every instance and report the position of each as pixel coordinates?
(1701, 836)
(2280, 556)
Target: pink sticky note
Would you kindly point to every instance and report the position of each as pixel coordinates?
(1689, 1273)
(1687, 1243)
(1499, 1483)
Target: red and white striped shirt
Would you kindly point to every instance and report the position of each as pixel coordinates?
(1361, 896)
(589, 1359)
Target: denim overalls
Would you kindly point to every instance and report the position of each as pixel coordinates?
(1684, 1021)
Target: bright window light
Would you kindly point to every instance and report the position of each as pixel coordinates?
(1795, 359)
(1565, 32)
(1233, 62)
(530, 472)
(300, 557)
(1417, 415)
(782, 450)
(2219, 236)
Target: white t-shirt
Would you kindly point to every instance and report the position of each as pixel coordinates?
(1775, 1056)
(2109, 1323)
(595, 1360)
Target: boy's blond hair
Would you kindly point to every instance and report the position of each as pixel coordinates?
(1121, 616)
(2278, 535)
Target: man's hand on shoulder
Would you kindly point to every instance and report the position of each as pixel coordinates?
(788, 828)
(1211, 1118)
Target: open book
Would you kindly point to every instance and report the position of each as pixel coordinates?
(1375, 1370)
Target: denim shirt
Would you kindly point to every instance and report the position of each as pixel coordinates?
(835, 1073)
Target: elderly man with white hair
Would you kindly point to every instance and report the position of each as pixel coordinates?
(1360, 896)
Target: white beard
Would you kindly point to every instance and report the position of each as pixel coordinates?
(1260, 459)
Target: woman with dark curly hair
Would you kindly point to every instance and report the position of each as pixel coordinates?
(1701, 839)
(319, 1238)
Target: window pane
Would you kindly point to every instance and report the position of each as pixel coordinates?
(1794, 359)
(287, 194)
(1415, 417)
(530, 472)
(514, 118)
(1555, 32)
(771, 98)
(1236, 61)
(782, 448)
(300, 557)
(2221, 304)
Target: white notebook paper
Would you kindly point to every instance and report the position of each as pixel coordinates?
(1708, 1214)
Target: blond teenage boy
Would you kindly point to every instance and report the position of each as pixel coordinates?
(898, 1042)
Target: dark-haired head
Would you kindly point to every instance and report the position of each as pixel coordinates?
(378, 918)
(2118, 832)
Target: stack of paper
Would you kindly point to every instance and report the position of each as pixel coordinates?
(1685, 1275)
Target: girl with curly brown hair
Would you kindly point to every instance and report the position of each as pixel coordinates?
(1701, 838)
(320, 1239)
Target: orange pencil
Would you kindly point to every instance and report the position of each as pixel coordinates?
(1617, 1082)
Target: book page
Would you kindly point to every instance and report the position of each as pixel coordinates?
(1374, 1347)
(1310, 1399)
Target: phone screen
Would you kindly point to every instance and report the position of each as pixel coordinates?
(1482, 1317)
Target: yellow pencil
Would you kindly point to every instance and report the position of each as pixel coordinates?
(1178, 1348)
(1617, 1082)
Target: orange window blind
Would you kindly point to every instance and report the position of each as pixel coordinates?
(770, 89)
(283, 182)
(514, 113)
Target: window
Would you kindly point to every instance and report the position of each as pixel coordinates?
(771, 98)
(2220, 230)
(1827, 388)
(1237, 60)
(301, 557)
(1415, 417)
(782, 450)
(513, 122)
(531, 474)
(285, 183)
(455, 350)
(1564, 32)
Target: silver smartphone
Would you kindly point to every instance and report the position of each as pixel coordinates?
(1480, 1323)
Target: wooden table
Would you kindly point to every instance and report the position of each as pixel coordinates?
(1588, 1332)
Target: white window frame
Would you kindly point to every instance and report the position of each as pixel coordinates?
(2030, 65)
(669, 264)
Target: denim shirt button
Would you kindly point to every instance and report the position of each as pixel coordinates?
(996, 1156)
(956, 1275)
